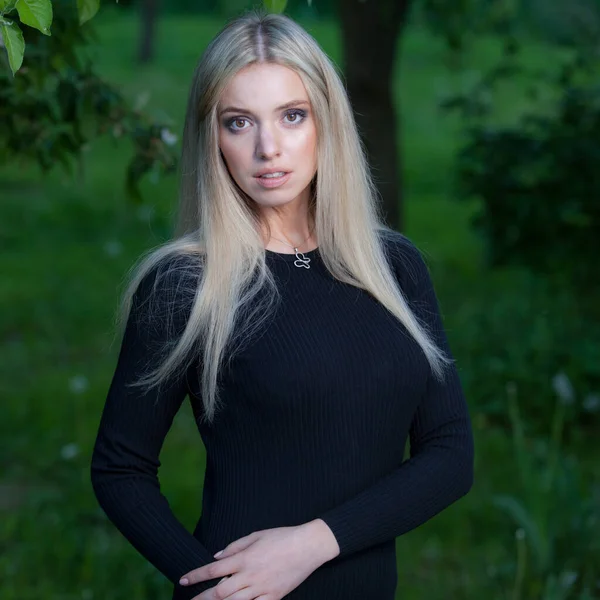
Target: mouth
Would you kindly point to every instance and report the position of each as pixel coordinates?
(271, 180)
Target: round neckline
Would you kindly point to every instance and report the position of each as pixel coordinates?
(292, 255)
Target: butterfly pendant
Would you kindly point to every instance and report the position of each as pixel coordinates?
(301, 260)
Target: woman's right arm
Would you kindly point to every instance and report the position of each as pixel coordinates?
(133, 426)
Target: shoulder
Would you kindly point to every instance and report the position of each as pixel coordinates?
(406, 259)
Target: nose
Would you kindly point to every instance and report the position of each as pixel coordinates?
(267, 143)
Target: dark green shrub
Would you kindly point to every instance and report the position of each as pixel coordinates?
(537, 177)
(539, 185)
(554, 513)
(519, 328)
(56, 105)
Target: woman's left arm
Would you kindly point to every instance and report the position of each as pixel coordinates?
(440, 468)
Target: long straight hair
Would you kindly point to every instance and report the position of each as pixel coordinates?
(220, 224)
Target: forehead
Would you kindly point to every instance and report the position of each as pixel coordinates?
(262, 86)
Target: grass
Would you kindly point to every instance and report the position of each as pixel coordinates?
(67, 245)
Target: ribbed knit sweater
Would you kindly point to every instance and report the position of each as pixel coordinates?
(316, 412)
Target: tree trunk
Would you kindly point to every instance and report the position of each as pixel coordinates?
(370, 30)
(147, 30)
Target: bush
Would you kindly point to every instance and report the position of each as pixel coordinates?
(520, 328)
(539, 184)
(537, 179)
(555, 514)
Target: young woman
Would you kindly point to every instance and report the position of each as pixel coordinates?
(306, 335)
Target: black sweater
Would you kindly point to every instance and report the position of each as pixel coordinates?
(317, 409)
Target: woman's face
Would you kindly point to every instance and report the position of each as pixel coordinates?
(266, 124)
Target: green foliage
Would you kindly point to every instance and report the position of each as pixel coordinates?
(537, 179)
(565, 22)
(275, 6)
(230, 8)
(460, 21)
(539, 183)
(233, 8)
(87, 9)
(35, 13)
(556, 515)
(14, 43)
(56, 321)
(521, 328)
(57, 104)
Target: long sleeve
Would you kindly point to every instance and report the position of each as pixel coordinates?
(440, 468)
(133, 426)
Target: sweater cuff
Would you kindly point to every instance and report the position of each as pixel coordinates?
(343, 530)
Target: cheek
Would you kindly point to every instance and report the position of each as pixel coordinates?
(232, 164)
(234, 151)
(229, 153)
(306, 146)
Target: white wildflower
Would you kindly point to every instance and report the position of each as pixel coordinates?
(563, 388)
(568, 578)
(167, 137)
(78, 384)
(69, 451)
(591, 403)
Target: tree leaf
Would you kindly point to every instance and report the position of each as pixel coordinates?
(275, 6)
(36, 13)
(6, 6)
(13, 42)
(87, 9)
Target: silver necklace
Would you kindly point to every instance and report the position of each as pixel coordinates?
(301, 260)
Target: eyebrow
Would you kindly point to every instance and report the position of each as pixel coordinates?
(244, 110)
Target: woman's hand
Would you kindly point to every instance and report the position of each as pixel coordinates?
(267, 564)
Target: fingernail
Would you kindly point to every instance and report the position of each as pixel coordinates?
(218, 553)
(183, 581)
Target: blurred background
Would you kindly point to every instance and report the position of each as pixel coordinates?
(482, 123)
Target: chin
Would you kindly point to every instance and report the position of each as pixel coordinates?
(276, 200)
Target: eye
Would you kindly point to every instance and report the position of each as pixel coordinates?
(236, 120)
(296, 112)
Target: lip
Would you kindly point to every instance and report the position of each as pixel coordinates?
(271, 170)
(273, 182)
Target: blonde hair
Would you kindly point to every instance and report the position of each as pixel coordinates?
(219, 224)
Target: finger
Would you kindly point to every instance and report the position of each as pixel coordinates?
(206, 595)
(212, 570)
(210, 593)
(238, 545)
(195, 576)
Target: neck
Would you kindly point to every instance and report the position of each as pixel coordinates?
(282, 241)
(281, 233)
